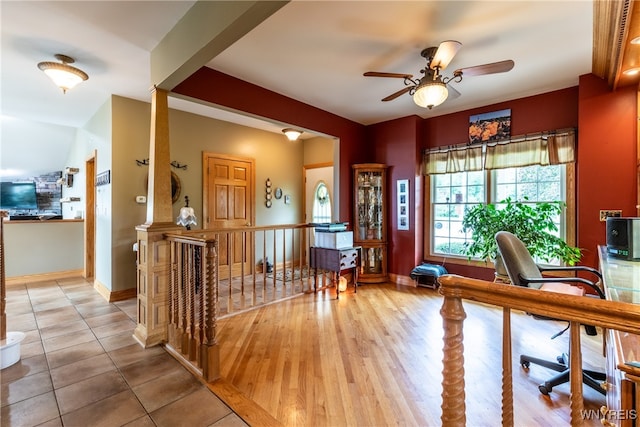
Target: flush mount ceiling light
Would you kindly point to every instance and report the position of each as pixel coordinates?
(292, 134)
(631, 71)
(430, 93)
(63, 75)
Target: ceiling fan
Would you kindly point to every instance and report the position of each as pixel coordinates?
(433, 89)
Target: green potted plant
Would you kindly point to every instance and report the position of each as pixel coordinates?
(531, 223)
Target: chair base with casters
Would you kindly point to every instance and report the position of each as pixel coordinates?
(523, 271)
(591, 378)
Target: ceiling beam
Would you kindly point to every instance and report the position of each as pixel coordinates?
(207, 29)
(615, 24)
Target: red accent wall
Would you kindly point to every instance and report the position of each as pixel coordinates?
(221, 89)
(549, 111)
(606, 175)
(606, 168)
(395, 145)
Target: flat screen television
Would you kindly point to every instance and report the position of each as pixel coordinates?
(18, 196)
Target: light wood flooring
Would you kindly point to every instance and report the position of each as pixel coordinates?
(375, 359)
(369, 359)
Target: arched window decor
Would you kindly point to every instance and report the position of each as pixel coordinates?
(321, 204)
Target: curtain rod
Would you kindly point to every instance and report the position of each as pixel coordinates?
(517, 138)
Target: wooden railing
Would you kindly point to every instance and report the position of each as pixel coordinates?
(219, 272)
(574, 309)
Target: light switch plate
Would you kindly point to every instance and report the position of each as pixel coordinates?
(141, 199)
(605, 213)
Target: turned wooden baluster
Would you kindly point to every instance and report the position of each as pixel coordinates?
(453, 406)
(575, 370)
(210, 352)
(173, 288)
(184, 342)
(507, 379)
(200, 296)
(191, 304)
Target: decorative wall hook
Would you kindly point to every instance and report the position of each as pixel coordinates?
(177, 165)
(174, 163)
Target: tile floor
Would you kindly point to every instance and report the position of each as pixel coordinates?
(80, 366)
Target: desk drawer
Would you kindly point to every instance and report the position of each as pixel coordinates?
(348, 259)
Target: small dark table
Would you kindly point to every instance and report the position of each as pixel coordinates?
(336, 261)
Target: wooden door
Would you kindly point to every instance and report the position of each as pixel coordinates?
(228, 195)
(90, 218)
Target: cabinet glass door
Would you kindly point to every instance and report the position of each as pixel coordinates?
(370, 200)
(372, 260)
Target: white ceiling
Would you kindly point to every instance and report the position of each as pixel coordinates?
(317, 51)
(312, 51)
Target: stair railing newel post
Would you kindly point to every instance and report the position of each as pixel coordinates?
(453, 395)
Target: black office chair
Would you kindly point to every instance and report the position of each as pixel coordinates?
(523, 271)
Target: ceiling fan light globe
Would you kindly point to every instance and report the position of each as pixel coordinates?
(430, 94)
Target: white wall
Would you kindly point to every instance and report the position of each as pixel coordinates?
(94, 136)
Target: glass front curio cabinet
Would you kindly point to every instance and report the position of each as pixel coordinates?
(370, 228)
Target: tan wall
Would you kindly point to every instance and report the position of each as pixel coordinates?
(275, 157)
(318, 150)
(34, 248)
(119, 132)
(131, 123)
(190, 136)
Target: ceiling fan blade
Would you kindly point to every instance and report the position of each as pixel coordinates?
(445, 53)
(377, 74)
(398, 93)
(479, 70)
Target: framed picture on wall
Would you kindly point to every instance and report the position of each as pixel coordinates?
(403, 204)
(488, 127)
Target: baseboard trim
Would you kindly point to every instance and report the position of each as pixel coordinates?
(21, 280)
(113, 296)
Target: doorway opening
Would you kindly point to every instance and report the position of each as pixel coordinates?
(90, 218)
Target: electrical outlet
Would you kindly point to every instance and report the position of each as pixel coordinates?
(604, 214)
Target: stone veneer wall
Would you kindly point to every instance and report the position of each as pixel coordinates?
(49, 192)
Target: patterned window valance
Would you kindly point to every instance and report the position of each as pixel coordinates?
(546, 148)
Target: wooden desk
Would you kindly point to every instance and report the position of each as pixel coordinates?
(621, 280)
(336, 261)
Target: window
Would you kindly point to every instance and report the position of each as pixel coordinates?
(453, 193)
(321, 204)
(537, 167)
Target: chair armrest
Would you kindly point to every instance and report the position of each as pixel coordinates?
(572, 268)
(565, 280)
